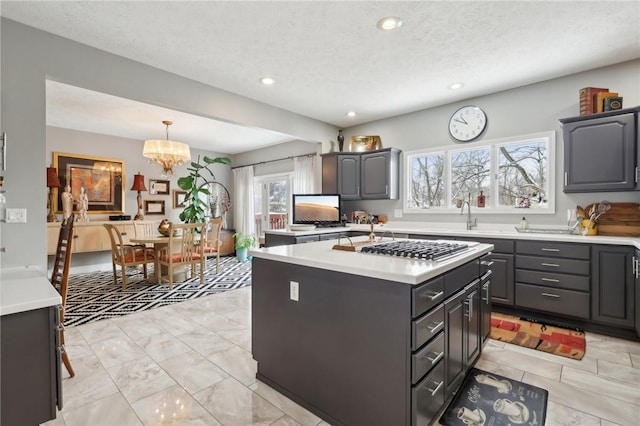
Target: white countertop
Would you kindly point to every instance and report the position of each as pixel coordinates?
(444, 230)
(321, 255)
(25, 289)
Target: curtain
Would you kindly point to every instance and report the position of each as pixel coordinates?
(306, 175)
(243, 212)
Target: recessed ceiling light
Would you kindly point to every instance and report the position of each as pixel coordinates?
(267, 81)
(454, 86)
(389, 23)
(351, 114)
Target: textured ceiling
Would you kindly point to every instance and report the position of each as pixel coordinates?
(329, 57)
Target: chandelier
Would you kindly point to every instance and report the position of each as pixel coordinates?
(166, 153)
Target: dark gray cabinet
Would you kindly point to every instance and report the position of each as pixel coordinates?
(502, 282)
(613, 285)
(31, 385)
(370, 175)
(600, 152)
(485, 305)
(636, 281)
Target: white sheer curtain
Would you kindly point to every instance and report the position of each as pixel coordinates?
(306, 175)
(243, 212)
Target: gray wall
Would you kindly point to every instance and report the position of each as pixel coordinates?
(529, 109)
(276, 152)
(29, 56)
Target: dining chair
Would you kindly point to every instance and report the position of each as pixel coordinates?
(211, 241)
(181, 251)
(145, 229)
(60, 278)
(127, 255)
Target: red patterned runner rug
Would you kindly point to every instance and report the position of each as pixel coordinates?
(555, 340)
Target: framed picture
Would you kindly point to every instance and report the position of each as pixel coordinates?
(102, 178)
(179, 197)
(159, 187)
(154, 207)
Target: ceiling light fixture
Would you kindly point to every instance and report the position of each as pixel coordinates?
(166, 153)
(351, 114)
(454, 86)
(267, 81)
(389, 23)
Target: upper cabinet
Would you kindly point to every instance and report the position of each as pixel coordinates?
(601, 151)
(370, 175)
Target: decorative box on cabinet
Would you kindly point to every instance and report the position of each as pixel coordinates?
(372, 175)
(601, 151)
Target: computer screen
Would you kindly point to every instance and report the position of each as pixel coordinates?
(317, 209)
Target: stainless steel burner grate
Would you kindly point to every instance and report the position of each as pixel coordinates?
(416, 249)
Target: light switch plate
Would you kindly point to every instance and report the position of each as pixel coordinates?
(16, 215)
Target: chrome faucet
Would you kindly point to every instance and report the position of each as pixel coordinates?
(470, 224)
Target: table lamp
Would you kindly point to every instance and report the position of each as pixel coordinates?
(52, 182)
(138, 185)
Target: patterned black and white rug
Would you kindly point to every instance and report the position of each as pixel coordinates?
(94, 296)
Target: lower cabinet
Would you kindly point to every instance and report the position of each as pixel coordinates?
(31, 381)
(502, 281)
(485, 305)
(612, 293)
(636, 271)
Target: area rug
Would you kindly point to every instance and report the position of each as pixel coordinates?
(94, 296)
(531, 334)
(490, 399)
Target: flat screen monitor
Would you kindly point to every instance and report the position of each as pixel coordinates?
(316, 209)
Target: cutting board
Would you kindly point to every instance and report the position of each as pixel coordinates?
(622, 220)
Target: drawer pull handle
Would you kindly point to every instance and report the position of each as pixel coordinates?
(436, 327)
(486, 263)
(436, 358)
(435, 391)
(555, 296)
(552, 280)
(555, 250)
(434, 296)
(554, 265)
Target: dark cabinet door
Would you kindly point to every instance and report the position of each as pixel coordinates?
(454, 342)
(485, 306)
(379, 175)
(473, 315)
(502, 280)
(636, 269)
(612, 297)
(600, 154)
(349, 176)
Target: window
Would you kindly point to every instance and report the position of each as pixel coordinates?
(512, 173)
(272, 202)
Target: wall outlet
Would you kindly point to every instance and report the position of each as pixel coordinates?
(16, 215)
(397, 213)
(294, 290)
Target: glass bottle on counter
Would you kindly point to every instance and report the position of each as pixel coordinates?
(481, 199)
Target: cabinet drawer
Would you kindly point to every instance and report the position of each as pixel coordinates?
(427, 296)
(553, 249)
(569, 282)
(460, 277)
(307, 239)
(425, 328)
(425, 359)
(427, 397)
(332, 236)
(550, 264)
(557, 301)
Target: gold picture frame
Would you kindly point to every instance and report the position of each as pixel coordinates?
(365, 143)
(179, 197)
(102, 178)
(159, 187)
(154, 207)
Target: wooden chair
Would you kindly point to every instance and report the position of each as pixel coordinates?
(212, 242)
(127, 255)
(60, 278)
(181, 251)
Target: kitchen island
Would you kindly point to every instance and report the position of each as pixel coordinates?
(366, 339)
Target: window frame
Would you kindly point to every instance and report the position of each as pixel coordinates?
(494, 144)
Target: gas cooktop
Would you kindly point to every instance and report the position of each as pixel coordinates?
(417, 249)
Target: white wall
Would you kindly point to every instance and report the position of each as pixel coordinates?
(29, 57)
(529, 109)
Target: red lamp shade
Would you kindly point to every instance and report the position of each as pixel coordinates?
(138, 183)
(52, 178)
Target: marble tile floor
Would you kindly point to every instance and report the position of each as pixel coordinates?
(190, 364)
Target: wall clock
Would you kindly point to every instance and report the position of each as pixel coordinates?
(467, 123)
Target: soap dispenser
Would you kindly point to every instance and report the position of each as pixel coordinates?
(523, 224)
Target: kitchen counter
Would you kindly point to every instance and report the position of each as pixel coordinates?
(454, 230)
(25, 289)
(410, 271)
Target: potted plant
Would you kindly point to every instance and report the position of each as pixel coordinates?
(196, 185)
(243, 243)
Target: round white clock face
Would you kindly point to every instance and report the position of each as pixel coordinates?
(467, 123)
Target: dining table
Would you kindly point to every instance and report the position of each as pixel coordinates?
(159, 242)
